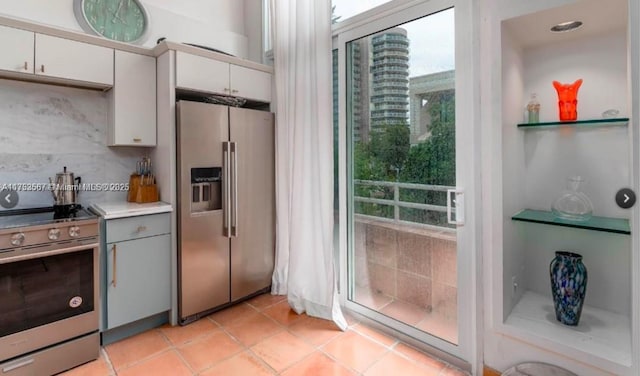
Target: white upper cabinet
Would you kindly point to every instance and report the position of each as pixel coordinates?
(132, 115)
(71, 60)
(211, 76)
(250, 83)
(17, 54)
(201, 74)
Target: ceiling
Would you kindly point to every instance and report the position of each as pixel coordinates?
(598, 17)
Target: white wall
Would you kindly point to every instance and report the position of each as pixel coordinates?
(253, 28)
(512, 170)
(218, 24)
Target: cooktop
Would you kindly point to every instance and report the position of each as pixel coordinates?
(40, 216)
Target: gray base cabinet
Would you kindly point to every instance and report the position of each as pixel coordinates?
(137, 269)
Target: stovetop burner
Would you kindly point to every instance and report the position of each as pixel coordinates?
(41, 216)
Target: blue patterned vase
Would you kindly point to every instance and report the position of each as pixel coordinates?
(568, 286)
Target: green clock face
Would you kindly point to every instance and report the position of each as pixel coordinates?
(121, 20)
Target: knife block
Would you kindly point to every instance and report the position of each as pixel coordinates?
(134, 183)
(141, 192)
(147, 193)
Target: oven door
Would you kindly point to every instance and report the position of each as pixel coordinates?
(48, 295)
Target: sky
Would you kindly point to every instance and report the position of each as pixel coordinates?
(431, 38)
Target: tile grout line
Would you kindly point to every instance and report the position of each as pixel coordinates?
(107, 359)
(183, 360)
(320, 349)
(143, 360)
(387, 352)
(138, 361)
(245, 347)
(262, 361)
(391, 346)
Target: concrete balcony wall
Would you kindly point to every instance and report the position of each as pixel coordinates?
(412, 265)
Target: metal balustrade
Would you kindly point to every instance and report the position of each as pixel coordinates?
(397, 203)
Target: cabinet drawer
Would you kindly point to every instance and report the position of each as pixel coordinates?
(137, 227)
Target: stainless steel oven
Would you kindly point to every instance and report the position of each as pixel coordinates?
(49, 296)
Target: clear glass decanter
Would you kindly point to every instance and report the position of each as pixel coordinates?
(573, 204)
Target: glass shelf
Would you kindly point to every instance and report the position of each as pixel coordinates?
(592, 122)
(614, 225)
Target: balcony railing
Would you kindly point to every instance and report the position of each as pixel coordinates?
(397, 203)
(386, 106)
(398, 77)
(375, 114)
(387, 38)
(390, 46)
(388, 68)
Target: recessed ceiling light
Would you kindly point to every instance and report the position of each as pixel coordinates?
(566, 26)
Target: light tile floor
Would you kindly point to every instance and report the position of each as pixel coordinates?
(429, 322)
(262, 337)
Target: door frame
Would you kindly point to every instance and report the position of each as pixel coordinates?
(394, 13)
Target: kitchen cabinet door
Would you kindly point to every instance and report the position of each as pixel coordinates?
(132, 113)
(17, 54)
(250, 83)
(71, 60)
(201, 74)
(138, 279)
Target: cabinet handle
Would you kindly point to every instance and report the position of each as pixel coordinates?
(42, 68)
(137, 140)
(26, 66)
(234, 91)
(226, 89)
(113, 280)
(141, 228)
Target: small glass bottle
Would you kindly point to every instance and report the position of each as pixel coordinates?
(533, 109)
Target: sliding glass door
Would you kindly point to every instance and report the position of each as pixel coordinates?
(406, 261)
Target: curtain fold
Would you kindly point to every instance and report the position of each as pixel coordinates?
(304, 269)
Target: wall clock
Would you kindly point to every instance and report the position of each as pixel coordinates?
(121, 20)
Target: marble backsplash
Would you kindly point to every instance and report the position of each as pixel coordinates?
(44, 128)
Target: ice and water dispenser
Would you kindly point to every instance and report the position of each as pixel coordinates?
(206, 189)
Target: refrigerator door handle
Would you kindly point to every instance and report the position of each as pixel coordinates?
(227, 188)
(234, 207)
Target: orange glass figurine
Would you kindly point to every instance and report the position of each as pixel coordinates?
(568, 99)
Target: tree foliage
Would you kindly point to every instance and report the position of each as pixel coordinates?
(388, 156)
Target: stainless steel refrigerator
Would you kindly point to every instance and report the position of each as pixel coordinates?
(226, 203)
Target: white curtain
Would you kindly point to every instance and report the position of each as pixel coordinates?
(304, 268)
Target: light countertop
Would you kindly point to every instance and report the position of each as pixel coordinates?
(111, 210)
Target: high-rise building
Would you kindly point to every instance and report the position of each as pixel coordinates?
(390, 78)
(378, 77)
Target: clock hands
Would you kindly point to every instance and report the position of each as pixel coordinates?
(116, 15)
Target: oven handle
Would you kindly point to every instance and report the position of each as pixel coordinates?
(45, 252)
(15, 366)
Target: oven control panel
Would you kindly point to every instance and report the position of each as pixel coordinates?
(36, 235)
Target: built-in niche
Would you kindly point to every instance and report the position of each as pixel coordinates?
(537, 159)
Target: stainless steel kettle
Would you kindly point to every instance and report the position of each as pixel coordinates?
(65, 188)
